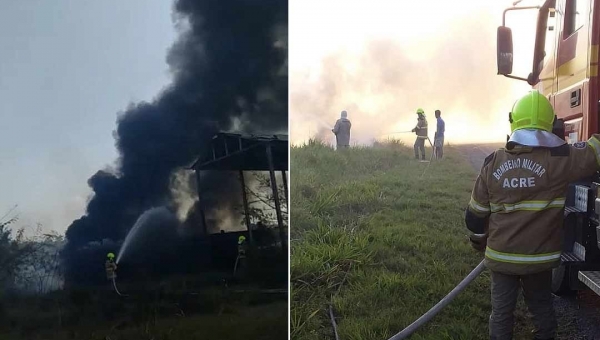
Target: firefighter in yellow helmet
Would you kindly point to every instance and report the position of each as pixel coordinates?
(110, 266)
(241, 258)
(242, 246)
(518, 200)
(421, 131)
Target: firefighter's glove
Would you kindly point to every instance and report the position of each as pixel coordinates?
(413, 130)
(478, 241)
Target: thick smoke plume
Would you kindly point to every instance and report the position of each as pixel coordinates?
(229, 70)
(382, 85)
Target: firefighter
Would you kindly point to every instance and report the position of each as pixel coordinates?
(438, 139)
(240, 261)
(110, 266)
(242, 246)
(421, 131)
(516, 212)
(342, 131)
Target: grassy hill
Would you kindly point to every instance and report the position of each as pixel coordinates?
(381, 238)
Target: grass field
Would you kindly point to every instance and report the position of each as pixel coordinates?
(243, 323)
(240, 311)
(382, 242)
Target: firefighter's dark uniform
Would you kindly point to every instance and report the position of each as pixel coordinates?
(520, 195)
(242, 250)
(421, 131)
(111, 269)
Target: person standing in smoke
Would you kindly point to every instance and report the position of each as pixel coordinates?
(342, 131)
(438, 139)
(421, 131)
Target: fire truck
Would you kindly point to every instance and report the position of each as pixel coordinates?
(565, 69)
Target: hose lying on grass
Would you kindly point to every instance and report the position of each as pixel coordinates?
(440, 305)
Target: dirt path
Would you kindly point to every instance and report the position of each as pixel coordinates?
(578, 315)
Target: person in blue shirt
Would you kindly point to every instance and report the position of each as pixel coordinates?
(438, 139)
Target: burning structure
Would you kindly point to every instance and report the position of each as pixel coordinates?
(234, 152)
(237, 154)
(229, 70)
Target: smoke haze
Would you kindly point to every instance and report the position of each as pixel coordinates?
(229, 70)
(381, 81)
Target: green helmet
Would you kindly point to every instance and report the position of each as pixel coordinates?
(110, 256)
(241, 239)
(420, 111)
(532, 111)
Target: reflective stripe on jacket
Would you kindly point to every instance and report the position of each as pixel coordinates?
(421, 128)
(522, 192)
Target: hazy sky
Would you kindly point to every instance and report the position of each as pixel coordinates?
(66, 68)
(382, 59)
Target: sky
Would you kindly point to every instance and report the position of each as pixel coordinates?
(66, 69)
(382, 59)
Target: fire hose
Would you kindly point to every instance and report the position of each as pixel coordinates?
(395, 132)
(440, 305)
(117, 289)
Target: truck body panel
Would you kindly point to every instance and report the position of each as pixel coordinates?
(565, 70)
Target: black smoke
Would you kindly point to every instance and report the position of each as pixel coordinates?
(229, 70)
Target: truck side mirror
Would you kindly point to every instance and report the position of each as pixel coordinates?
(504, 55)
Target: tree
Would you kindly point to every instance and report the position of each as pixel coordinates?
(261, 208)
(28, 263)
(40, 270)
(261, 201)
(13, 251)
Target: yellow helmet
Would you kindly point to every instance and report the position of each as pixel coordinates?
(532, 111)
(420, 111)
(110, 255)
(241, 239)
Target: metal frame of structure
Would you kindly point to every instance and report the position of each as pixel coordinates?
(236, 152)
